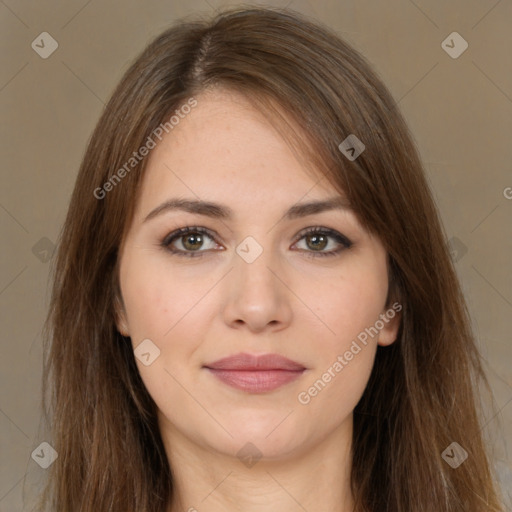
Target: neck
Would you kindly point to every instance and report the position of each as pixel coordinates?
(311, 478)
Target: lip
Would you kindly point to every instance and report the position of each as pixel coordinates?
(256, 373)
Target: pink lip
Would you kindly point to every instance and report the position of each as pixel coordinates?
(256, 374)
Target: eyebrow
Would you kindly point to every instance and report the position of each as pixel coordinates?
(223, 212)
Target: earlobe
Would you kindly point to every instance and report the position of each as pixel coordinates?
(391, 318)
(120, 318)
(122, 327)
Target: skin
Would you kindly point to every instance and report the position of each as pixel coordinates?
(288, 301)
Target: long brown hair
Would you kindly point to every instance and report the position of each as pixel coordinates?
(421, 395)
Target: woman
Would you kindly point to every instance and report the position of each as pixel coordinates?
(254, 307)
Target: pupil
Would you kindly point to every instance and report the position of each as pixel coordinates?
(193, 241)
(318, 238)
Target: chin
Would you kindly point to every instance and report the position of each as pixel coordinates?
(268, 436)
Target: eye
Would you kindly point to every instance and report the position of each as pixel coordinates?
(318, 238)
(189, 241)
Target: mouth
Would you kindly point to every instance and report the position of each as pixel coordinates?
(256, 374)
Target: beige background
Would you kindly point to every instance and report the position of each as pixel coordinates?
(459, 110)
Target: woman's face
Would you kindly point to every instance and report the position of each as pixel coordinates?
(249, 278)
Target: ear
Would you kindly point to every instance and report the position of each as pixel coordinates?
(120, 317)
(391, 318)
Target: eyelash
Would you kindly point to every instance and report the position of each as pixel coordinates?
(175, 235)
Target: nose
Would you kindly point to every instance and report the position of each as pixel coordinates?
(256, 295)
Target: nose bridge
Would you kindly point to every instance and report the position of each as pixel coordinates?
(253, 262)
(256, 296)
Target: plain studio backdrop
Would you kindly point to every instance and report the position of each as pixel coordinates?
(447, 64)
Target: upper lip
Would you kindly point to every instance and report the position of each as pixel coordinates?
(251, 362)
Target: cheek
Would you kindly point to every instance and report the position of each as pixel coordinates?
(348, 307)
(157, 301)
(173, 309)
(145, 300)
(166, 308)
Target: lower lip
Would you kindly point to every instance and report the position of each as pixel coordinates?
(258, 381)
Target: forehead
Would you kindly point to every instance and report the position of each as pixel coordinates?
(226, 149)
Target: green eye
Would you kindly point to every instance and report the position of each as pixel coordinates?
(190, 241)
(317, 239)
